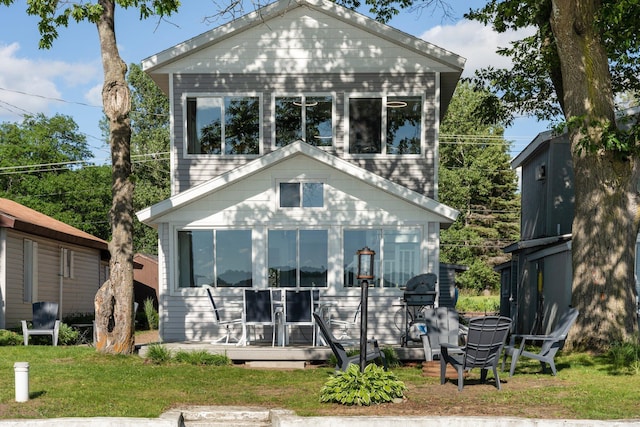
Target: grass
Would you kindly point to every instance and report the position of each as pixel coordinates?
(78, 382)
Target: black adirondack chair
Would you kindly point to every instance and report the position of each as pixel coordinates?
(373, 350)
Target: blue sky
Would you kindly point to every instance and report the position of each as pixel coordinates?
(67, 79)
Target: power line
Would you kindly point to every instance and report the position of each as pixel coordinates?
(84, 104)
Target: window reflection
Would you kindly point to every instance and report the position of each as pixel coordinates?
(306, 118)
(404, 116)
(238, 133)
(397, 255)
(298, 258)
(399, 117)
(219, 258)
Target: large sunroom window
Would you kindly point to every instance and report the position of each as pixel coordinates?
(397, 256)
(389, 125)
(223, 125)
(306, 117)
(218, 258)
(298, 258)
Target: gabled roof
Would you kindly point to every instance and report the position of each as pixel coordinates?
(150, 214)
(540, 141)
(21, 218)
(448, 64)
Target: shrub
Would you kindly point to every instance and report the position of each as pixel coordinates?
(158, 354)
(625, 357)
(10, 338)
(374, 385)
(151, 314)
(68, 335)
(202, 357)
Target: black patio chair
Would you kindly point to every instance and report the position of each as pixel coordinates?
(485, 340)
(373, 350)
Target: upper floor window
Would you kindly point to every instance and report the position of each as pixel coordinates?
(223, 125)
(385, 125)
(306, 117)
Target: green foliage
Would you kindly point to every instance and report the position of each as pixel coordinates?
(10, 338)
(374, 385)
(478, 277)
(476, 179)
(393, 361)
(625, 357)
(158, 354)
(151, 314)
(73, 318)
(43, 157)
(202, 358)
(478, 304)
(68, 335)
(150, 151)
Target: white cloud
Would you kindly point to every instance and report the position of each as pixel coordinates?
(94, 95)
(475, 42)
(30, 86)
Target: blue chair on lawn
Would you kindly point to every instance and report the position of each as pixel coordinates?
(44, 321)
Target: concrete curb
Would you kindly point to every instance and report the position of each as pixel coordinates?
(295, 421)
(286, 418)
(165, 420)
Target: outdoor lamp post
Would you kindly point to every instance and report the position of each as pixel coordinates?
(365, 273)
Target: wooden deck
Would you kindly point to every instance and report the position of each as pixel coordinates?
(293, 353)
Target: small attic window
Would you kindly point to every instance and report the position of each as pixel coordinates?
(301, 194)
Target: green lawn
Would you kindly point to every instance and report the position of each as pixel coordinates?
(78, 382)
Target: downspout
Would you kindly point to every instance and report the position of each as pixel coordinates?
(61, 280)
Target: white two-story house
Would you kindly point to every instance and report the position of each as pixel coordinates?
(300, 133)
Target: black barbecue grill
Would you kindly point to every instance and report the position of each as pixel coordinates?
(420, 291)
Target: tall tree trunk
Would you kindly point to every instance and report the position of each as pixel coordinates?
(606, 204)
(114, 300)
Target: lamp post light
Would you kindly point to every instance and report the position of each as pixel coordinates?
(365, 273)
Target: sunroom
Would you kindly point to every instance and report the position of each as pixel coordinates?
(293, 219)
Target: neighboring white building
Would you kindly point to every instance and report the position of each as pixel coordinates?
(300, 133)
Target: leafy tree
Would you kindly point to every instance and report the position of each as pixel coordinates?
(114, 300)
(475, 178)
(45, 166)
(583, 55)
(149, 148)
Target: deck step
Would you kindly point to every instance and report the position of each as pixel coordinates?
(231, 416)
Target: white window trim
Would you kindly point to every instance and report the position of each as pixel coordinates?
(423, 121)
(30, 269)
(380, 257)
(185, 133)
(68, 261)
(298, 229)
(334, 116)
(174, 267)
(322, 180)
